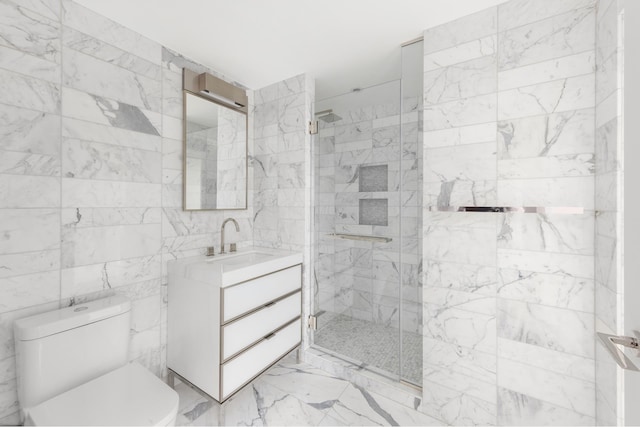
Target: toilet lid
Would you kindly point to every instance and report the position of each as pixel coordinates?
(130, 395)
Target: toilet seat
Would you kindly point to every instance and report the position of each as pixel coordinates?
(130, 395)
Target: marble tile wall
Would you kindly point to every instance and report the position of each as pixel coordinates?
(367, 184)
(90, 194)
(509, 108)
(609, 286)
(282, 175)
(90, 174)
(279, 164)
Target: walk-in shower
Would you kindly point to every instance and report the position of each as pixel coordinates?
(367, 225)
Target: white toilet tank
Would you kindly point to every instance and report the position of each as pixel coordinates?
(59, 350)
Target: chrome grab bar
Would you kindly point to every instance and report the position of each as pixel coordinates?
(361, 237)
(566, 210)
(610, 341)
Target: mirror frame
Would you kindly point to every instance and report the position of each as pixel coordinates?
(190, 86)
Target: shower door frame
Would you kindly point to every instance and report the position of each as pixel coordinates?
(316, 309)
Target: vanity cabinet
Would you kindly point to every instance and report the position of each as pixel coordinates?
(226, 329)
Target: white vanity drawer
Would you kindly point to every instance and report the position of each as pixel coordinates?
(241, 298)
(241, 369)
(243, 332)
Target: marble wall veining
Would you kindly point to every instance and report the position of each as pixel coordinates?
(521, 106)
(609, 286)
(282, 174)
(91, 174)
(509, 110)
(281, 143)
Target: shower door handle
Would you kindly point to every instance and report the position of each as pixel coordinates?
(610, 342)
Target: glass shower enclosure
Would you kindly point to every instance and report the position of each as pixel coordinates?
(367, 160)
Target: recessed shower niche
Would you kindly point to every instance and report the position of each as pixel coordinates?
(373, 212)
(373, 178)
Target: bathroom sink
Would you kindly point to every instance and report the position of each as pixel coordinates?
(242, 259)
(231, 268)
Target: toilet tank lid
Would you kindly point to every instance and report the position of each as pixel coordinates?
(53, 322)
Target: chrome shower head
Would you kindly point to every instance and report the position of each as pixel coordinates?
(328, 116)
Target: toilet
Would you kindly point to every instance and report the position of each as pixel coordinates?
(73, 369)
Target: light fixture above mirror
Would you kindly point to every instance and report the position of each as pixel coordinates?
(215, 143)
(222, 91)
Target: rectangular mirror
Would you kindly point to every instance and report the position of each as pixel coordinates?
(215, 154)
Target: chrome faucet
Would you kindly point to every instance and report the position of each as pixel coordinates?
(233, 245)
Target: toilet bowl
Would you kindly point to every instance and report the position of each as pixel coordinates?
(130, 396)
(73, 369)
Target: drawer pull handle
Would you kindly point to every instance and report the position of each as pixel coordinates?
(269, 304)
(271, 335)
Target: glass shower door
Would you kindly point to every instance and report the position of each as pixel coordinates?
(358, 160)
(411, 214)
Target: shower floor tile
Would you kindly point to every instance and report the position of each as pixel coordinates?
(371, 343)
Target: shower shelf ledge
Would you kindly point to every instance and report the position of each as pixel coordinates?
(361, 237)
(566, 210)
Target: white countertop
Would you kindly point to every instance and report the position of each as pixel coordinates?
(230, 268)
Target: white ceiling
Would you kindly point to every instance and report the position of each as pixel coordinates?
(343, 44)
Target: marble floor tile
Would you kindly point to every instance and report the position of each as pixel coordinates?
(261, 404)
(194, 408)
(357, 406)
(307, 383)
(297, 394)
(329, 420)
